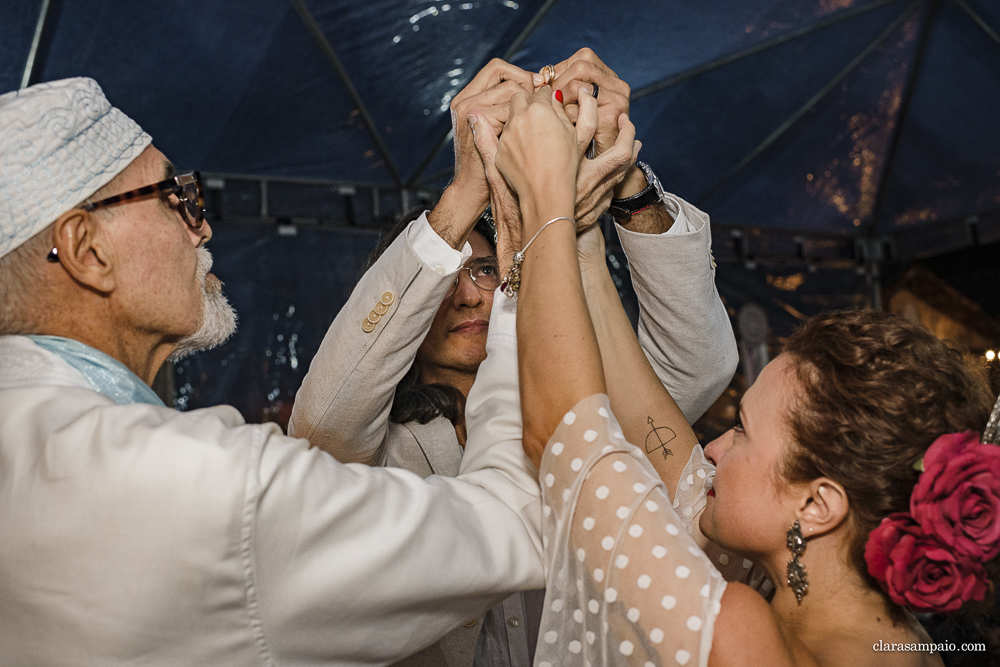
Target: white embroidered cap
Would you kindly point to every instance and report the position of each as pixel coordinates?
(60, 142)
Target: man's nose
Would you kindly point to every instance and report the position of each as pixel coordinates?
(467, 293)
(202, 235)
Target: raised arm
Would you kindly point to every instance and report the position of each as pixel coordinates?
(611, 535)
(346, 397)
(683, 326)
(344, 402)
(648, 415)
(540, 147)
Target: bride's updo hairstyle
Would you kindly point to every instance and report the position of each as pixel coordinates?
(876, 393)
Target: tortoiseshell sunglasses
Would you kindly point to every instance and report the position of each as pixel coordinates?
(187, 188)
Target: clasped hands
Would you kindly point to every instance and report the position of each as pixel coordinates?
(517, 140)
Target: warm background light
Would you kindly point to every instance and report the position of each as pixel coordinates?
(991, 355)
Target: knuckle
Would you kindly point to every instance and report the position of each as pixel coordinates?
(578, 69)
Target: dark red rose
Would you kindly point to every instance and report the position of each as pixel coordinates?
(957, 498)
(918, 571)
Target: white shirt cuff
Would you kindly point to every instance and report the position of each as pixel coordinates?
(432, 249)
(503, 322)
(681, 223)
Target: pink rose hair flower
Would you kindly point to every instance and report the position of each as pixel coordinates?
(957, 498)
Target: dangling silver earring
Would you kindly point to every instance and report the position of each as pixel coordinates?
(797, 577)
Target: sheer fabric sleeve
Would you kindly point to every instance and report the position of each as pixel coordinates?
(689, 503)
(626, 583)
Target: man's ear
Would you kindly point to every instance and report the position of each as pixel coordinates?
(824, 509)
(83, 251)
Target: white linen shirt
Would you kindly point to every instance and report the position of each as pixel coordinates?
(137, 534)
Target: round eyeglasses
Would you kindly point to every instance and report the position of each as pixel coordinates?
(485, 274)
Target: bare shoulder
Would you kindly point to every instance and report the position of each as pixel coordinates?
(747, 632)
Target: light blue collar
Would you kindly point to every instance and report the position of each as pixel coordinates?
(104, 373)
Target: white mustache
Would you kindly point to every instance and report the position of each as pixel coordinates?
(218, 317)
(205, 262)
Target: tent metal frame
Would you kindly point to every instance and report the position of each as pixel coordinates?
(764, 45)
(815, 99)
(901, 115)
(324, 44)
(31, 65)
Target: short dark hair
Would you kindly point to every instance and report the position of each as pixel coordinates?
(413, 400)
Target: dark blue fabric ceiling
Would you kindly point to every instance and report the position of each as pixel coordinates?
(856, 117)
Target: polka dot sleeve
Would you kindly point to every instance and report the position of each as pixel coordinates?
(626, 582)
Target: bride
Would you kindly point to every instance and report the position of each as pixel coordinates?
(852, 478)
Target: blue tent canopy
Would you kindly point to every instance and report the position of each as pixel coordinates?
(851, 118)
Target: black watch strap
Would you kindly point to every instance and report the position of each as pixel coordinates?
(623, 209)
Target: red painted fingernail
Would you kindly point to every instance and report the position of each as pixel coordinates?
(559, 96)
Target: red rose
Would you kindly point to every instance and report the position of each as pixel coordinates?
(918, 571)
(883, 539)
(957, 498)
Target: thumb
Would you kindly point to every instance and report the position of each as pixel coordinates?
(486, 140)
(487, 143)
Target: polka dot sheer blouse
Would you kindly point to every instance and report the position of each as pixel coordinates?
(630, 578)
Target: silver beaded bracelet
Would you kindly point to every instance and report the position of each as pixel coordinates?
(512, 281)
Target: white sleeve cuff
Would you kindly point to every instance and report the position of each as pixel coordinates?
(682, 225)
(503, 322)
(432, 249)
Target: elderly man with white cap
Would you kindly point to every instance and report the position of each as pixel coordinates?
(131, 533)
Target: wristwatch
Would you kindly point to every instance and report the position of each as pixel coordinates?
(623, 209)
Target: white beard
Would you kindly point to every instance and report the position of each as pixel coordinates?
(218, 319)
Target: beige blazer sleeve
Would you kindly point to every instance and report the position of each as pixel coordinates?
(344, 402)
(683, 326)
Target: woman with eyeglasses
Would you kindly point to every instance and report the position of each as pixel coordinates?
(855, 477)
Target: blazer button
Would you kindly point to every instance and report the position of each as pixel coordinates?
(381, 308)
(367, 326)
(374, 317)
(472, 623)
(388, 298)
(514, 621)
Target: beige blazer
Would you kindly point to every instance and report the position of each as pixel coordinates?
(344, 402)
